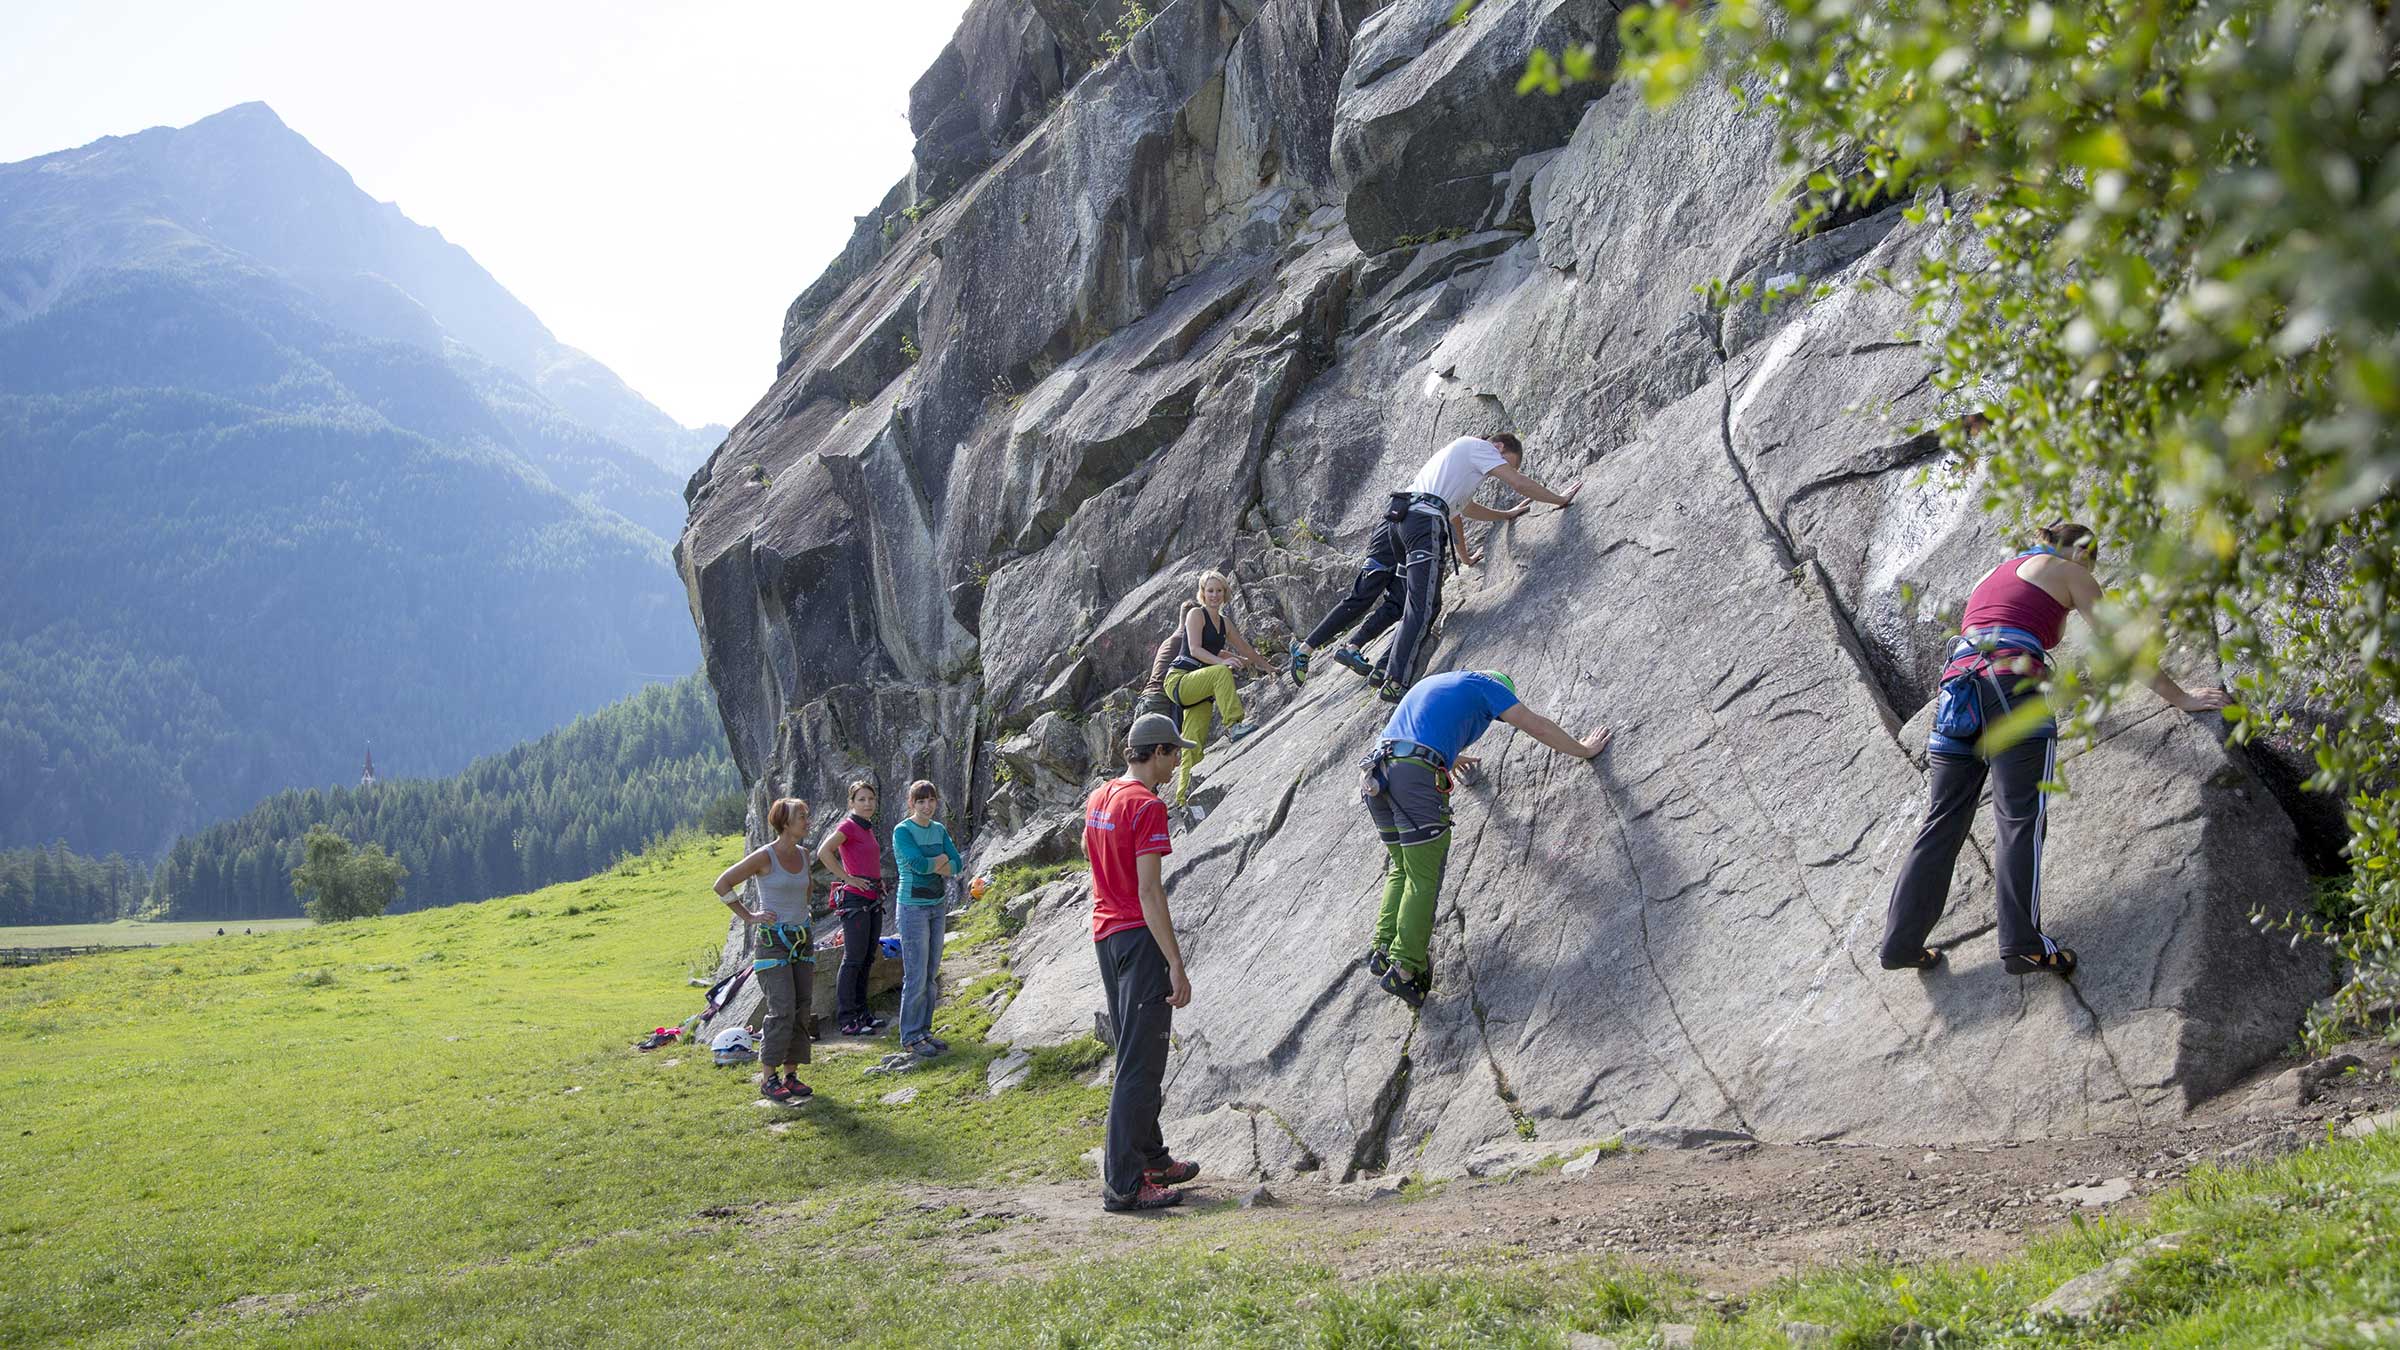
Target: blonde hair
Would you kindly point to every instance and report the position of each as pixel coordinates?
(1200, 592)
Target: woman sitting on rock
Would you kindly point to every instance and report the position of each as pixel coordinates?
(2014, 617)
(1201, 675)
(783, 955)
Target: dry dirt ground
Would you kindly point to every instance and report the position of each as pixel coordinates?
(1729, 1217)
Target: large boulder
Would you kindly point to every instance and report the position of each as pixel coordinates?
(1684, 932)
(1206, 312)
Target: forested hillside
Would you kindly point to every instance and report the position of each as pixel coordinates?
(54, 885)
(555, 809)
(283, 484)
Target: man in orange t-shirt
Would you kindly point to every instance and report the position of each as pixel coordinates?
(1141, 968)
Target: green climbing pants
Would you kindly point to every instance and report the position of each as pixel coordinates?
(1412, 887)
(1197, 692)
(1412, 815)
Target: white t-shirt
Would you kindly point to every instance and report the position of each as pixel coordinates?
(1457, 469)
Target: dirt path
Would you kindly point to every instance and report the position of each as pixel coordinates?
(1731, 1217)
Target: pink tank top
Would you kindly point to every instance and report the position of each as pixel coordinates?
(2005, 599)
(861, 856)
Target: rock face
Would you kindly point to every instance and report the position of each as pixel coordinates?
(1192, 317)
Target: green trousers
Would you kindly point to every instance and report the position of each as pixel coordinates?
(1412, 889)
(1198, 692)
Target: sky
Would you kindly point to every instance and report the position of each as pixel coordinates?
(656, 180)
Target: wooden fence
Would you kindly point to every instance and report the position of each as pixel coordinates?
(34, 956)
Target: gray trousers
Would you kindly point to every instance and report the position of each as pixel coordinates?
(790, 994)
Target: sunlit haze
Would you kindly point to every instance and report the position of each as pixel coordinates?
(655, 180)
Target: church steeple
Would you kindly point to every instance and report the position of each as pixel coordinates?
(367, 778)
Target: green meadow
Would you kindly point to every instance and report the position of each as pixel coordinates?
(136, 933)
(428, 1129)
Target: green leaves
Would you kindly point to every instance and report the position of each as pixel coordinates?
(1553, 75)
(342, 883)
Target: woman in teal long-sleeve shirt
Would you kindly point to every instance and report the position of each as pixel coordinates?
(928, 859)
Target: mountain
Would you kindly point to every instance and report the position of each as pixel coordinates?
(1202, 302)
(289, 475)
(242, 189)
(554, 809)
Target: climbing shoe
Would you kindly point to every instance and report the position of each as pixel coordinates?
(771, 1087)
(1239, 730)
(1392, 691)
(1356, 660)
(795, 1090)
(1377, 962)
(1411, 992)
(1148, 1197)
(1299, 667)
(1175, 1173)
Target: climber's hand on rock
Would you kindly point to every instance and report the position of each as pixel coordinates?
(1596, 742)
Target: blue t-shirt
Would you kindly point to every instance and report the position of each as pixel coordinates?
(1446, 712)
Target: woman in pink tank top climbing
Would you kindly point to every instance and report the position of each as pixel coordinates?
(2013, 619)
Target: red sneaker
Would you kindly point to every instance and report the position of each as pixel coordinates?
(1148, 1197)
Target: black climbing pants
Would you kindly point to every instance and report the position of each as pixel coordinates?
(1133, 972)
(860, 927)
(2020, 809)
(1403, 570)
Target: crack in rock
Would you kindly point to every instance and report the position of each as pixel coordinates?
(1483, 1031)
(1373, 1147)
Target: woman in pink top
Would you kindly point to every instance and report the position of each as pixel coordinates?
(2016, 614)
(854, 860)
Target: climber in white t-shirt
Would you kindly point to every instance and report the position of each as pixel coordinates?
(1406, 553)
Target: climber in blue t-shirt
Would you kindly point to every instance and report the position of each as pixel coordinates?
(1406, 784)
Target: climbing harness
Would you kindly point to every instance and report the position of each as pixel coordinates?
(1375, 781)
(1969, 664)
(792, 939)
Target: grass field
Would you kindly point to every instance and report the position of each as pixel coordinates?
(135, 933)
(427, 1129)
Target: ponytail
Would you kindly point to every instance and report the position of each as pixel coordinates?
(2066, 534)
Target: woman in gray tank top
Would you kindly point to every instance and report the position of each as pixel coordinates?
(783, 954)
